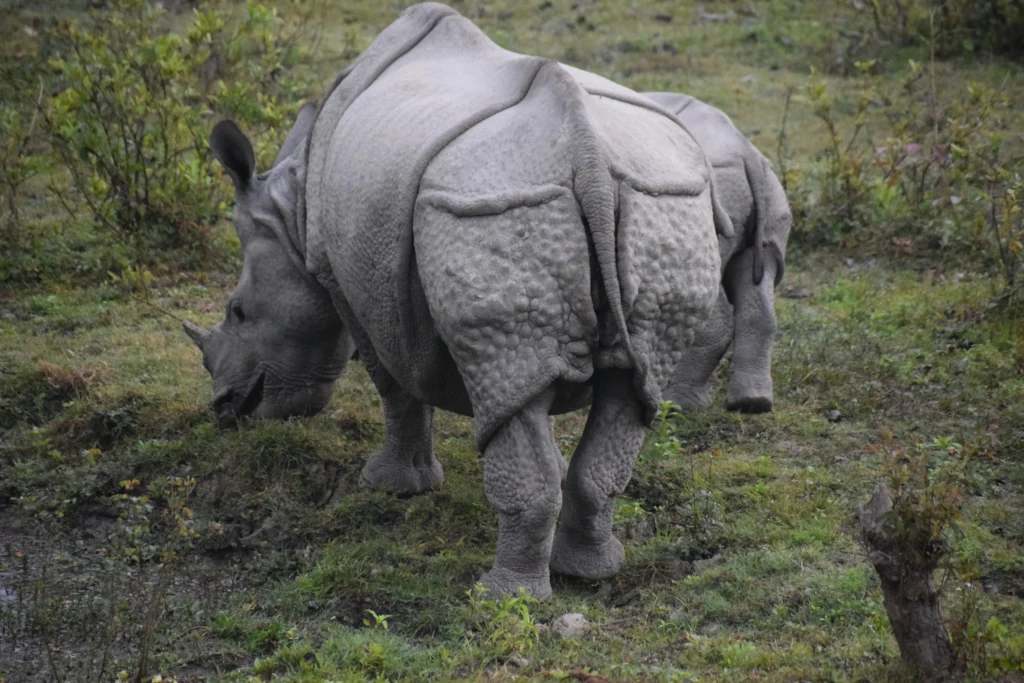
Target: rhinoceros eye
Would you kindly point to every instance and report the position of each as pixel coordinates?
(237, 312)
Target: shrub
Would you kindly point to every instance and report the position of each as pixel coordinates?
(958, 26)
(133, 115)
(941, 179)
(906, 527)
(20, 98)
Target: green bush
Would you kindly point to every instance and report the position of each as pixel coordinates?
(939, 178)
(20, 98)
(957, 26)
(136, 103)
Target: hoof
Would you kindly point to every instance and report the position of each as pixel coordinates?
(390, 474)
(501, 581)
(749, 404)
(689, 399)
(749, 392)
(592, 562)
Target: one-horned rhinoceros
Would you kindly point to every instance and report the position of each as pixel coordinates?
(753, 260)
(499, 242)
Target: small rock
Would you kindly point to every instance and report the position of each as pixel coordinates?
(679, 614)
(663, 18)
(679, 569)
(713, 18)
(273, 530)
(796, 293)
(622, 599)
(517, 662)
(749, 79)
(786, 41)
(571, 625)
(834, 415)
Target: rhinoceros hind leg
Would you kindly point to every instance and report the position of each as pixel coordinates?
(690, 385)
(598, 472)
(750, 383)
(523, 471)
(406, 462)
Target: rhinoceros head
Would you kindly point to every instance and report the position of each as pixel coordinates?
(281, 345)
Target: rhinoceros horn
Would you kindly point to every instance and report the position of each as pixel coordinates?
(197, 334)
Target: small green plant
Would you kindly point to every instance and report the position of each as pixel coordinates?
(507, 625)
(842, 182)
(926, 482)
(380, 621)
(1004, 651)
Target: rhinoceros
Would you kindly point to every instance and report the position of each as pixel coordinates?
(753, 260)
(500, 239)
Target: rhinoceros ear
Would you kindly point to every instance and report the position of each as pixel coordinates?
(303, 124)
(234, 151)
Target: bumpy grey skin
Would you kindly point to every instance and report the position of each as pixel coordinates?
(499, 239)
(753, 261)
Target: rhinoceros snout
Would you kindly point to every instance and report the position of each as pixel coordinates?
(229, 409)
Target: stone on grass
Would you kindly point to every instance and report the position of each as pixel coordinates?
(571, 625)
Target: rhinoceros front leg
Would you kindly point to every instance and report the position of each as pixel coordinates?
(689, 387)
(750, 384)
(523, 470)
(406, 463)
(599, 471)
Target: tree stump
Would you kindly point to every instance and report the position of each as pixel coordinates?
(911, 600)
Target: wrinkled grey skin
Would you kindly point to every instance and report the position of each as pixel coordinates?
(753, 261)
(499, 242)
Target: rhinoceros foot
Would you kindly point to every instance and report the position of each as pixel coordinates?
(572, 557)
(690, 399)
(400, 474)
(502, 581)
(752, 404)
(749, 393)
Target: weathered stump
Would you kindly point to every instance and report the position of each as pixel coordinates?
(908, 588)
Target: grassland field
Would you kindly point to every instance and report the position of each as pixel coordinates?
(743, 560)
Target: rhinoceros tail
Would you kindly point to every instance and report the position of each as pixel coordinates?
(770, 211)
(596, 192)
(753, 168)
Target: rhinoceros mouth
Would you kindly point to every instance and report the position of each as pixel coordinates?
(228, 410)
(254, 396)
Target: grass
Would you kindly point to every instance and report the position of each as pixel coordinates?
(742, 558)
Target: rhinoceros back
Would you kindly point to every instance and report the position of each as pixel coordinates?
(746, 182)
(463, 199)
